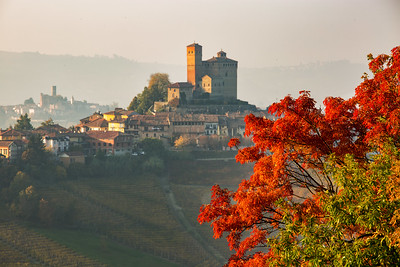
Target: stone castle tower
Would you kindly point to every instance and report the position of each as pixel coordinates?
(216, 76)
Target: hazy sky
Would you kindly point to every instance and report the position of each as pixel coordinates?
(254, 32)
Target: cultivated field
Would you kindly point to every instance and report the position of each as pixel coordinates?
(126, 221)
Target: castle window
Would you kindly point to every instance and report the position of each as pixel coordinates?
(223, 83)
(226, 74)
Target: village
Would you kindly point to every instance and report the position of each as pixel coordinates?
(202, 113)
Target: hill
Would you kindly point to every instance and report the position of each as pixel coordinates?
(142, 219)
(105, 80)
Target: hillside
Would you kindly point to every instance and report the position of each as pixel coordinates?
(143, 219)
(106, 80)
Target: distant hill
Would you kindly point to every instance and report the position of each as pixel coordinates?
(337, 78)
(106, 80)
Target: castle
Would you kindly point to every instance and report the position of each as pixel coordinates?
(215, 78)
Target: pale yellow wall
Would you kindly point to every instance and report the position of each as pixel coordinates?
(109, 117)
(173, 93)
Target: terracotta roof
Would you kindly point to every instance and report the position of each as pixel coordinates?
(97, 123)
(4, 143)
(12, 132)
(174, 117)
(50, 128)
(21, 142)
(158, 119)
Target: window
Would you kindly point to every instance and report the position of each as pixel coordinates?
(155, 135)
(104, 144)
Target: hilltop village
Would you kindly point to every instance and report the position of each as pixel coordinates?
(205, 114)
(59, 108)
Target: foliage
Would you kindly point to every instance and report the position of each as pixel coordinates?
(23, 123)
(156, 90)
(294, 209)
(26, 204)
(49, 122)
(184, 141)
(152, 147)
(35, 153)
(355, 229)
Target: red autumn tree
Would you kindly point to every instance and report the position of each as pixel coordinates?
(290, 154)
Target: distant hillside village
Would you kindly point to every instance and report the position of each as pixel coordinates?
(57, 107)
(201, 113)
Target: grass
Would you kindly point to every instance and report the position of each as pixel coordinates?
(102, 249)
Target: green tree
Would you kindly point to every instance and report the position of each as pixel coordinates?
(355, 226)
(152, 147)
(23, 123)
(27, 203)
(49, 122)
(35, 154)
(156, 90)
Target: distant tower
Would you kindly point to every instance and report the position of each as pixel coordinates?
(194, 64)
(53, 90)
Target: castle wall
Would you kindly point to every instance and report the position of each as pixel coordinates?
(221, 70)
(224, 75)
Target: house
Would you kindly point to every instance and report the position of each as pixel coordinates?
(211, 124)
(55, 143)
(49, 129)
(149, 126)
(118, 113)
(71, 157)
(7, 148)
(118, 124)
(13, 149)
(12, 134)
(180, 90)
(116, 120)
(110, 142)
(97, 124)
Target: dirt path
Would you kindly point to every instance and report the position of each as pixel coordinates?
(178, 213)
